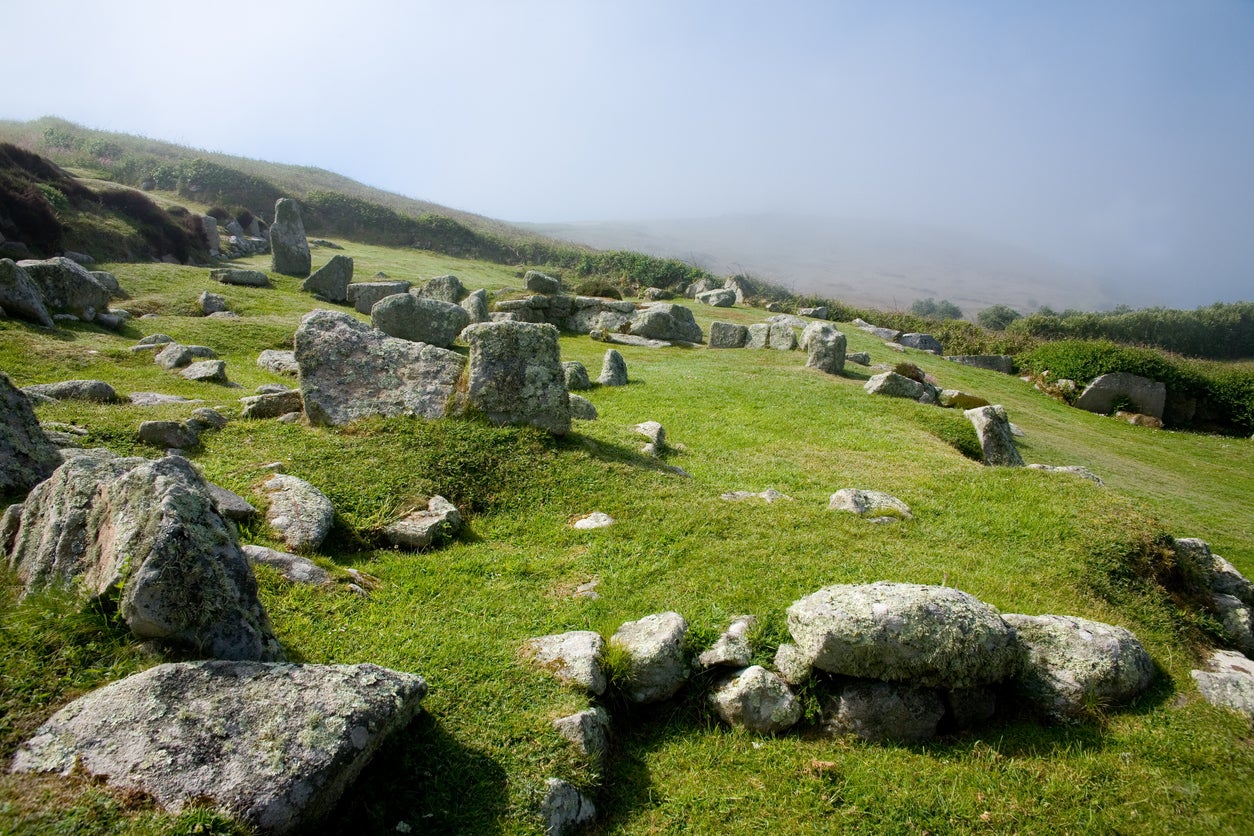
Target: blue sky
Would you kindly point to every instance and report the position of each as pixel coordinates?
(1116, 137)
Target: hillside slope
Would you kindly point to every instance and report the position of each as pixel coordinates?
(477, 759)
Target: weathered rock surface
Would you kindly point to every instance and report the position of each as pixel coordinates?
(300, 514)
(565, 809)
(882, 711)
(825, 347)
(793, 666)
(588, 731)
(899, 386)
(476, 306)
(409, 317)
(1074, 469)
(538, 282)
(230, 505)
(279, 362)
(655, 645)
(868, 503)
(276, 745)
(1237, 619)
(272, 405)
(936, 636)
(75, 390)
(582, 409)
(418, 530)
(206, 371)
(996, 440)
(722, 298)
(295, 568)
(27, 457)
(728, 335)
(240, 277)
(289, 248)
(66, 287)
(363, 295)
(20, 297)
(666, 321)
(1227, 681)
(444, 289)
(1072, 664)
(757, 700)
(1105, 392)
(330, 281)
(732, 647)
(576, 375)
(923, 342)
(758, 335)
(573, 657)
(211, 303)
(613, 369)
(350, 371)
(516, 375)
(177, 356)
(168, 434)
(860, 358)
(147, 533)
(1003, 363)
(781, 337)
(820, 312)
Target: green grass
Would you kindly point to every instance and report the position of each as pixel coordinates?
(476, 760)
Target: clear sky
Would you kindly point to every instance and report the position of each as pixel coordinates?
(1116, 137)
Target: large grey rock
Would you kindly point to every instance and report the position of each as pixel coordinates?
(899, 386)
(588, 731)
(20, 297)
(666, 321)
(420, 529)
(168, 434)
(781, 337)
(564, 808)
(66, 287)
(27, 457)
(884, 711)
(538, 282)
(868, 503)
(363, 295)
(350, 371)
(211, 303)
(300, 514)
(758, 335)
(330, 281)
(923, 342)
(409, 317)
(722, 298)
(582, 409)
(272, 405)
(1003, 363)
(573, 657)
(516, 375)
(757, 700)
(206, 371)
(576, 376)
(728, 335)
(444, 289)
(934, 635)
(1073, 665)
(476, 306)
(825, 347)
(147, 534)
(289, 248)
(295, 568)
(613, 369)
(275, 745)
(996, 440)
(1227, 681)
(240, 277)
(279, 362)
(655, 646)
(1237, 619)
(732, 647)
(96, 391)
(1138, 394)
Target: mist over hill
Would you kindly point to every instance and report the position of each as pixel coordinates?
(863, 262)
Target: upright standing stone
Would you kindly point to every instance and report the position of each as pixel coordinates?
(289, 249)
(330, 281)
(728, 335)
(613, 369)
(516, 375)
(825, 347)
(996, 440)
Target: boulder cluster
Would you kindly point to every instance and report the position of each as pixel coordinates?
(44, 291)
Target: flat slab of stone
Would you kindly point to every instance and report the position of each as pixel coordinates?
(1227, 681)
(1138, 394)
(240, 277)
(295, 568)
(271, 405)
(276, 745)
(300, 514)
(421, 529)
(158, 398)
(868, 503)
(573, 657)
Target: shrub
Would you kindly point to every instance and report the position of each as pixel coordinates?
(597, 287)
(997, 317)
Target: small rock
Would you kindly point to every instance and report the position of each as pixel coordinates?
(272, 405)
(732, 647)
(538, 282)
(860, 358)
(757, 700)
(229, 504)
(420, 529)
(564, 808)
(576, 376)
(1227, 681)
(588, 731)
(242, 278)
(295, 568)
(167, 434)
(573, 657)
(77, 390)
(300, 514)
(206, 371)
(581, 408)
(993, 428)
(868, 504)
(770, 495)
(596, 519)
(655, 645)
(211, 303)
(279, 362)
(792, 664)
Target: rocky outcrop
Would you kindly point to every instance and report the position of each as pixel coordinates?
(516, 375)
(20, 297)
(408, 317)
(275, 745)
(350, 371)
(655, 647)
(996, 439)
(66, 287)
(289, 248)
(299, 514)
(364, 295)
(330, 281)
(1137, 394)
(27, 457)
(146, 535)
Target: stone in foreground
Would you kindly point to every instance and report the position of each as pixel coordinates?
(1227, 681)
(934, 635)
(573, 657)
(655, 644)
(276, 745)
(27, 457)
(300, 514)
(757, 700)
(516, 375)
(1073, 665)
(732, 647)
(996, 440)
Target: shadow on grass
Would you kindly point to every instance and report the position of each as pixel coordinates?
(429, 781)
(619, 454)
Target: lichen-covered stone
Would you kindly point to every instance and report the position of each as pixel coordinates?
(27, 457)
(884, 711)
(728, 335)
(757, 700)
(276, 745)
(538, 282)
(895, 385)
(240, 277)
(330, 281)
(996, 440)
(825, 347)
(271, 405)
(289, 248)
(732, 647)
(868, 503)
(933, 635)
(1148, 397)
(168, 434)
(655, 645)
(721, 298)
(300, 514)
(576, 376)
(516, 375)
(588, 731)
(923, 342)
(279, 362)
(364, 295)
(409, 317)
(350, 371)
(420, 529)
(66, 287)
(666, 321)
(476, 306)
(20, 297)
(1227, 681)
(573, 657)
(613, 369)
(444, 289)
(582, 409)
(565, 809)
(1073, 665)
(205, 371)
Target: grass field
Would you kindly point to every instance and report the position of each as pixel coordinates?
(476, 760)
